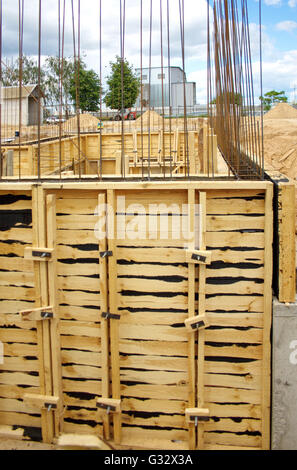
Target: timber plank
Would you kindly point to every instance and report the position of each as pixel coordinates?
(233, 439)
(20, 419)
(84, 372)
(77, 328)
(83, 343)
(154, 439)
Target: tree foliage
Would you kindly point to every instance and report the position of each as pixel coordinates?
(272, 97)
(11, 72)
(131, 85)
(50, 72)
(232, 98)
(87, 82)
(52, 69)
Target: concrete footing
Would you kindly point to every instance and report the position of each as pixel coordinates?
(284, 376)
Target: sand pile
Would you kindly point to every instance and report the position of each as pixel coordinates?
(280, 145)
(150, 118)
(87, 122)
(281, 111)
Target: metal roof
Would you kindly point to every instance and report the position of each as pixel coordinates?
(13, 92)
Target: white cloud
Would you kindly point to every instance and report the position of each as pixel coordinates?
(279, 69)
(286, 25)
(292, 3)
(272, 2)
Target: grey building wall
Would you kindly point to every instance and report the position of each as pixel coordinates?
(156, 90)
(178, 93)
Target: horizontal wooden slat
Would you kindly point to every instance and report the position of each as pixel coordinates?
(154, 439)
(20, 419)
(83, 343)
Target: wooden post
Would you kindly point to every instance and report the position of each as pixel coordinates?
(135, 159)
(284, 218)
(267, 319)
(43, 335)
(9, 163)
(113, 305)
(201, 310)
(213, 153)
(287, 248)
(205, 162)
(104, 322)
(54, 323)
(191, 313)
(192, 156)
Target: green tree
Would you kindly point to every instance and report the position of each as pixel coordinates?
(235, 98)
(89, 88)
(131, 85)
(53, 68)
(11, 72)
(272, 97)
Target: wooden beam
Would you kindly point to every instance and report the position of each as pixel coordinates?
(266, 369)
(191, 313)
(39, 236)
(113, 306)
(287, 248)
(54, 324)
(104, 304)
(201, 310)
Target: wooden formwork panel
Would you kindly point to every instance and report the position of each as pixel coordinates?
(19, 372)
(79, 308)
(153, 364)
(72, 153)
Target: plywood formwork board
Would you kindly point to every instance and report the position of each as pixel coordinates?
(21, 366)
(154, 290)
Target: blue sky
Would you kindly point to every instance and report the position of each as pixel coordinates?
(279, 18)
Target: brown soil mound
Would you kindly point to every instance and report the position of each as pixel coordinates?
(282, 111)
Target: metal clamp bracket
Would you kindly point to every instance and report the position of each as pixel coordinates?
(197, 415)
(197, 323)
(112, 316)
(41, 402)
(105, 254)
(38, 314)
(109, 405)
(38, 254)
(198, 257)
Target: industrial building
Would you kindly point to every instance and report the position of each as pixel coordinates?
(164, 87)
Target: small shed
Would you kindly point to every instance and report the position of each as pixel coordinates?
(29, 105)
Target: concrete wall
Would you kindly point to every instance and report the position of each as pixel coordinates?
(284, 377)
